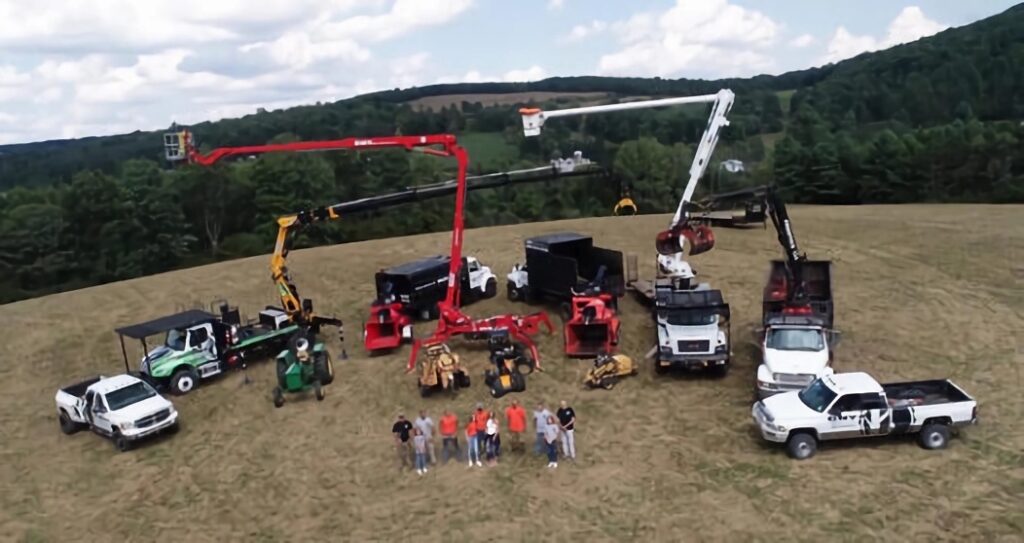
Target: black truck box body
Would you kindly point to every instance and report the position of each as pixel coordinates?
(558, 263)
(419, 284)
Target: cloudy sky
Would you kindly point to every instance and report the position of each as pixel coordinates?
(71, 68)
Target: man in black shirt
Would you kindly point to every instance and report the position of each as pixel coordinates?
(401, 431)
(567, 419)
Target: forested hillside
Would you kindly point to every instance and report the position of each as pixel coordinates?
(935, 120)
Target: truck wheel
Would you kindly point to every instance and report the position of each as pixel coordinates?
(491, 288)
(173, 429)
(934, 436)
(513, 293)
(278, 397)
(565, 309)
(718, 371)
(67, 425)
(121, 443)
(184, 380)
(801, 446)
(318, 391)
(659, 369)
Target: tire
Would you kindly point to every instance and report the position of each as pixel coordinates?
(491, 288)
(462, 380)
(609, 383)
(718, 372)
(325, 369)
(173, 429)
(318, 391)
(565, 310)
(801, 446)
(934, 436)
(525, 366)
(184, 380)
(513, 293)
(659, 369)
(278, 397)
(121, 443)
(67, 425)
(425, 391)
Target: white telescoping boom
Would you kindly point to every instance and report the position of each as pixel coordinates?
(670, 243)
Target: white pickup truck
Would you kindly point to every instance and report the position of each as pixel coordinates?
(854, 405)
(123, 408)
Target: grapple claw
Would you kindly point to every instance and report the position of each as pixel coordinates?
(700, 238)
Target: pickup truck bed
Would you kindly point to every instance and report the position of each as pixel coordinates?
(933, 392)
(78, 389)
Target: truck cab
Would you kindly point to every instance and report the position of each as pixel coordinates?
(693, 328)
(795, 350)
(123, 408)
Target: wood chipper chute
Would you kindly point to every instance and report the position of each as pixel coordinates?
(608, 370)
(305, 365)
(593, 326)
(441, 369)
(389, 326)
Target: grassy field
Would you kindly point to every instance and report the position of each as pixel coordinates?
(922, 291)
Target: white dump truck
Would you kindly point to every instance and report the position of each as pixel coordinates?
(854, 405)
(124, 409)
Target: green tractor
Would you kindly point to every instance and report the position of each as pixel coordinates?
(305, 365)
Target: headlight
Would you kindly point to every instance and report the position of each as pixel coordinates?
(765, 385)
(127, 425)
(721, 348)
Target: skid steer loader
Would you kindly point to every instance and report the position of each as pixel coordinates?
(608, 370)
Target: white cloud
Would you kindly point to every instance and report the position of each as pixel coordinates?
(803, 40)
(582, 32)
(706, 37)
(533, 73)
(911, 24)
(556, 4)
(73, 69)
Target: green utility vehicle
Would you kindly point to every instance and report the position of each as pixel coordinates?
(199, 345)
(305, 365)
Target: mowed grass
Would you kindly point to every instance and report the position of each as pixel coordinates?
(921, 292)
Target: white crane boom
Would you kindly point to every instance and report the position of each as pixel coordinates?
(533, 122)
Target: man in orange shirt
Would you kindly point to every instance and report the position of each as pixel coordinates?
(480, 417)
(515, 417)
(449, 439)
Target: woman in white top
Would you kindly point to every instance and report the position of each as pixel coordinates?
(551, 440)
(493, 439)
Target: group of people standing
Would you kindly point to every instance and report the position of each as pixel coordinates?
(415, 440)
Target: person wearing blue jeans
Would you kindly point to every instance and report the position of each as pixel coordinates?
(473, 441)
(551, 432)
(540, 423)
(419, 443)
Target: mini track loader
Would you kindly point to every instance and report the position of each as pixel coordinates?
(511, 365)
(608, 369)
(301, 368)
(441, 370)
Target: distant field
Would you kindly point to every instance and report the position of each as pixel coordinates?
(448, 100)
(488, 148)
(785, 97)
(922, 291)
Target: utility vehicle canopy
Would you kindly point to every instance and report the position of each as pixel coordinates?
(177, 321)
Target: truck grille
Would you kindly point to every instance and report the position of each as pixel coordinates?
(797, 379)
(153, 419)
(694, 346)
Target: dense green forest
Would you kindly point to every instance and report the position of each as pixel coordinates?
(938, 120)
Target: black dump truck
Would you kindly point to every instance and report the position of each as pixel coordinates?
(419, 285)
(557, 264)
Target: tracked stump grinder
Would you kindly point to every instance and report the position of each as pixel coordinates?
(441, 370)
(608, 370)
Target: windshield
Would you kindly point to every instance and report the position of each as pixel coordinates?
(817, 395)
(688, 318)
(175, 340)
(785, 339)
(128, 395)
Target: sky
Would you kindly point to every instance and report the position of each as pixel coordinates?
(70, 68)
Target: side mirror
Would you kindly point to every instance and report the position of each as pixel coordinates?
(834, 337)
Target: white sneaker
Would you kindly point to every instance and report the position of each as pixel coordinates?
(419, 472)
(470, 463)
(479, 464)
(554, 465)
